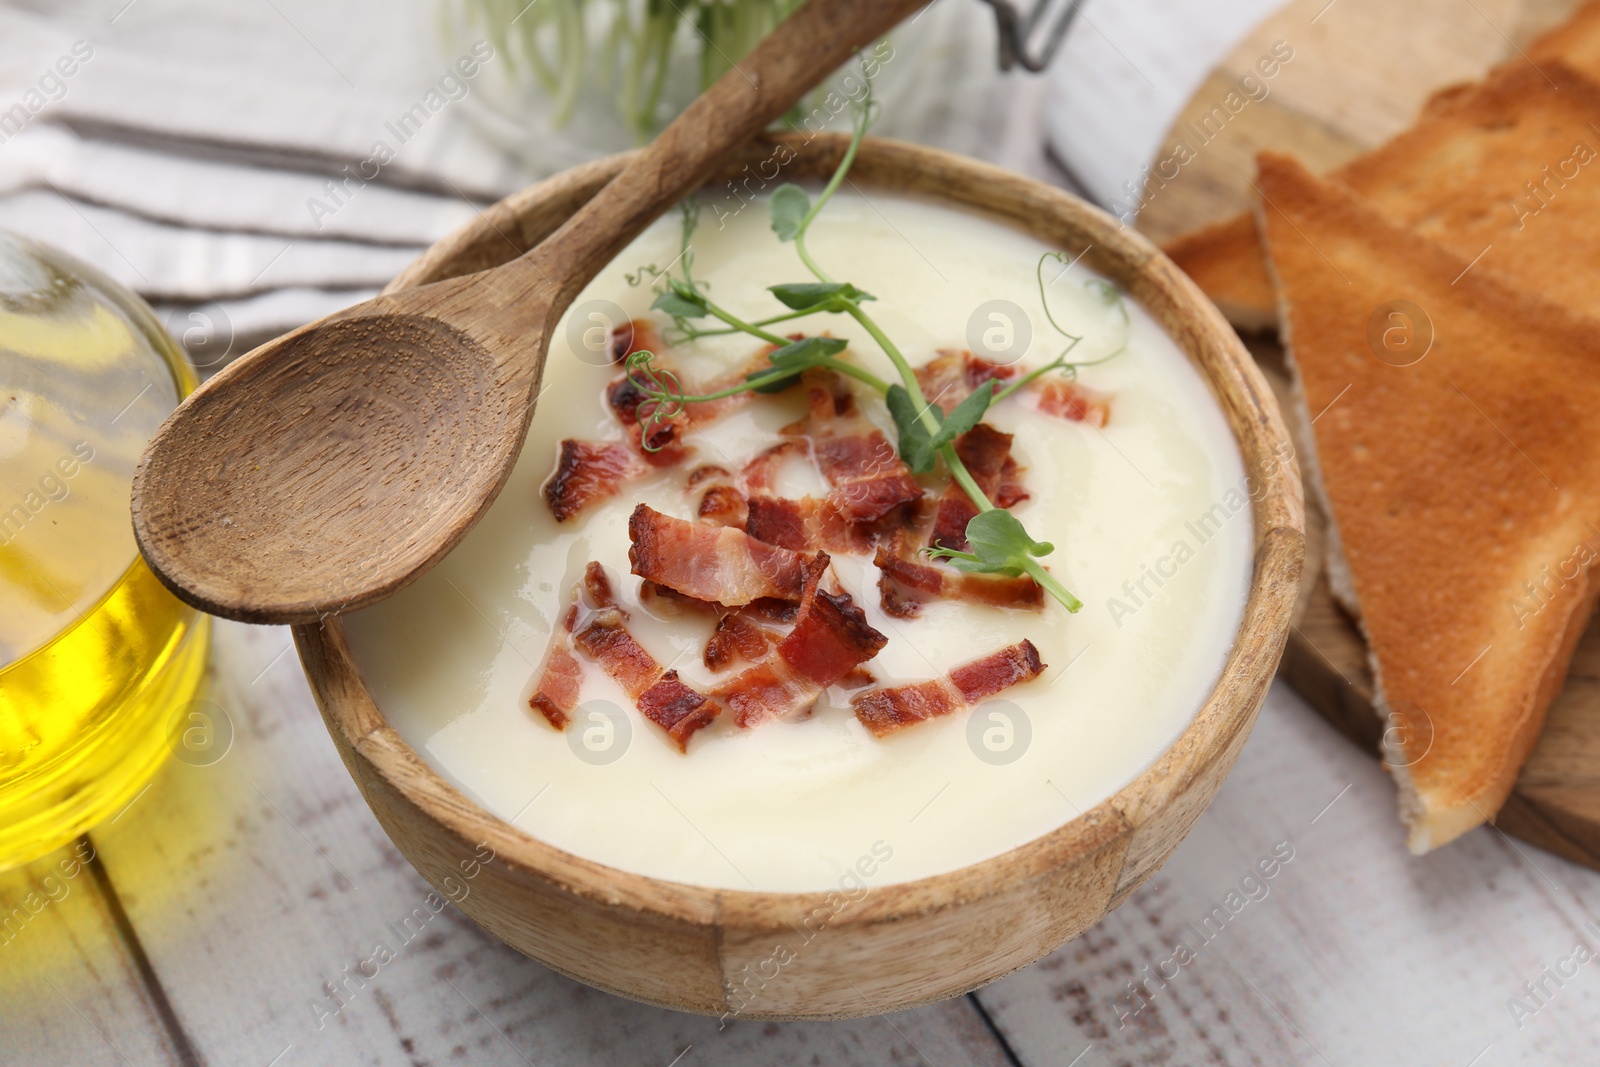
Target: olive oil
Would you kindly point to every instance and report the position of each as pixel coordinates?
(98, 661)
(86, 719)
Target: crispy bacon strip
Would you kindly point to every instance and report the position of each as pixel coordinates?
(597, 587)
(1071, 401)
(904, 585)
(952, 375)
(737, 637)
(830, 639)
(760, 473)
(806, 524)
(635, 335)
(556, 693)
(725, 506)
(560, 675)
(883, 711)
(716, 563)
(987, 455)
(868, 477)
(587, 472)
(661, 697)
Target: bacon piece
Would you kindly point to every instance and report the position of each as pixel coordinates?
(659, 694)
(597, 587)
(987, 455)
(635, 335)
(587, 472)
(560, 675)
(707, 472)
(760, 474)
(1010, 491)
(905, 585)
(766, 609)
(715, 563)
(830, 639)
(952, 376)
(604, 638)
(806, 524)
(736, 637)
(868, 477)
(1071, 401)
(556, 694)
(590, 471)
(677, 709)
(632, 405)
(724, 505)
(883, 711)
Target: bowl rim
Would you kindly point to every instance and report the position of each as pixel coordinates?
(1212, 735)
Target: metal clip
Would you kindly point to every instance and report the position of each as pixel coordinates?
(1017, 31)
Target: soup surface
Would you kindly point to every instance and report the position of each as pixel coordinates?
(1149, 517)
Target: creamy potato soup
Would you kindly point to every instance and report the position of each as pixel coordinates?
(770, 743)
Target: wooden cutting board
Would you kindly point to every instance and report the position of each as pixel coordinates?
(1360, 71)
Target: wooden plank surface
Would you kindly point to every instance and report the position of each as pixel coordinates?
(70, 978)
(1357, 953)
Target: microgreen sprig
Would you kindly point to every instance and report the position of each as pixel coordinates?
(1109, 295)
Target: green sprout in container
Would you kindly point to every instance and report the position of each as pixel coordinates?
(632, 43)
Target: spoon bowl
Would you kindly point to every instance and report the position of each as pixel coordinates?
(415, 423)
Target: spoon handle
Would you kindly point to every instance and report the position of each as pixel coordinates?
(794, 57)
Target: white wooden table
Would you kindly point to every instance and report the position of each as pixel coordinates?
(229, 909)
(228, 903)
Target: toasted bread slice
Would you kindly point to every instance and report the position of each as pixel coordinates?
(1464, 485)
(1508, 166)
(1575, 42)
(1224, 259)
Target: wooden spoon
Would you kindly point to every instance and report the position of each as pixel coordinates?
(333, 466)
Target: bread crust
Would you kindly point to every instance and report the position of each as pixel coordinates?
(1224, 259)
(1453, 481)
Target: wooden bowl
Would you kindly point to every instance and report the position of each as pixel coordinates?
(720, 951)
